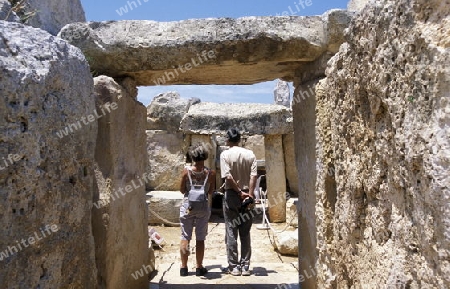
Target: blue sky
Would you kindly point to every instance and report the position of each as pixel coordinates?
(175, 10)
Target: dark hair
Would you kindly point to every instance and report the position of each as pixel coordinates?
(197, 153)
(233, 135)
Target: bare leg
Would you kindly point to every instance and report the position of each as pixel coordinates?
(199, 252)
(184, 253)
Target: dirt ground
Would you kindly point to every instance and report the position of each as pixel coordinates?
(270, 269)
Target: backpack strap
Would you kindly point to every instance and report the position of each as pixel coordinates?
(190, 179)
(189, 175)
(206, 178)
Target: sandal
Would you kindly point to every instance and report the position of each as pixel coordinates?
(201, 271)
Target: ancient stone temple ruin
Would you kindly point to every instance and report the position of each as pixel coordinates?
(369, 135)
(175, 123)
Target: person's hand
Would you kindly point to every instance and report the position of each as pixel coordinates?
(248, 203)
(244, 195)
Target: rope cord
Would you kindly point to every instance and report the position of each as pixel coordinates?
(263, 203)
(165, 221)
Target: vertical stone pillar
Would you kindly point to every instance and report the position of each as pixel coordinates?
(275, 178)
(291, 166)
(120, 211)
(46, 162)
(304, 109)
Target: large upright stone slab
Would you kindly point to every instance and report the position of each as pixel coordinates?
(120, 210)
(304, 109)
(275, 178)
(166, 160)
(46, 167)
(166, 145)
(52, 15)
(207, 51)
(255, 143)
(290, 164)
(388, 143)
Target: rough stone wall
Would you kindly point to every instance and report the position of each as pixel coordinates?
(166, 145)
(357, 5)
(325, 196)
(166, 155)
(387, 103)
(120, 211)
(46, 175)
(256, 144)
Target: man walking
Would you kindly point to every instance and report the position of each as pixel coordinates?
(238, 167)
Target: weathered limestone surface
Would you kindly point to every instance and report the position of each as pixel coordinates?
(287, 243)
(166, 145)
(275, 178)
(255, 143)
(388, 98)
(52, 15)
(45, 177)
(166, 111)
(304, 112)
(289, 161)
(221, 51)
(292, 212)
(166, 155)
(120, 211)
(6, 13)
(282, 94)
(357, 5)
(251, 118)
(164, 207)
(325, 196)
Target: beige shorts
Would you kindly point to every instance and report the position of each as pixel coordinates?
(197, 217)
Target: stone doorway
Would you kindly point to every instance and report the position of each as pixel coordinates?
(295, 50)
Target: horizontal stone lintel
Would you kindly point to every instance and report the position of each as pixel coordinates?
(249, 118)
(207, 51)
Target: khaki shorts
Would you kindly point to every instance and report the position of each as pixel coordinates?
(198, 217)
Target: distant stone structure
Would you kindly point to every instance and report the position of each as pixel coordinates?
(282, 94)
(166, 144)
(174, 124)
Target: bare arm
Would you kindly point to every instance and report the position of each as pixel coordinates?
(252, 186)
(212, 182)
(232, 183)
(183, 181)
